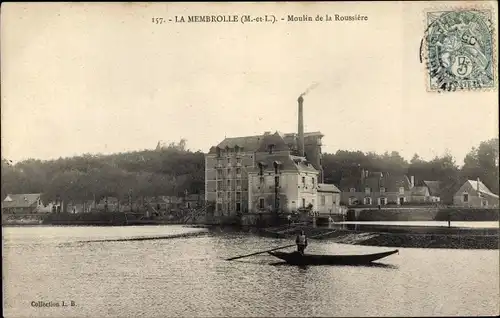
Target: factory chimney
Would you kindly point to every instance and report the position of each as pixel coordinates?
(301, 127)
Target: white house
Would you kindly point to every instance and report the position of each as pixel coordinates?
(474, 194)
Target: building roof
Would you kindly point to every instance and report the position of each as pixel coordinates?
(248, 143)
(276, 140)
(347, 183)
(323, 187)
(253, 143)
(20, 200)
(434, 187)
(375, 181)
(482, 188)
(419, 190)
(286, 162)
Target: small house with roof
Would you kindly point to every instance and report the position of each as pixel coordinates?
(426, 192)
(376, 188)
(23, 204)
(328, 199)
(474, 194)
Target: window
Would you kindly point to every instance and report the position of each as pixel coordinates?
(228, 183)
(238, 160)
(383, 201)
(382, 190)
(220, 174)
(271, 148)
(352, 200)
(228, 170)
(219, 185)
(303, 180)
(238, 196)
(219, 207)
(303, 202)
(261, 203)
(466, 197)
(219, 194)
(238, 207)
(238, 170)
(368, 201)
(238, 183)
(352, 190)
(228, 160)
(367, 190)
(323, 200)
(229, 195)
(401, 190)
(313, 180)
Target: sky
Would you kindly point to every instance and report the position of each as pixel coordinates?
(102, 78)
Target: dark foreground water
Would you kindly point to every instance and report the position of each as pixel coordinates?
(189, 277)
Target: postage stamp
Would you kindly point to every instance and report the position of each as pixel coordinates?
(459, 46)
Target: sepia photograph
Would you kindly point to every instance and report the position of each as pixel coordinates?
(250, 159)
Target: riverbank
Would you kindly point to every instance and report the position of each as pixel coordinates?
(386, 239)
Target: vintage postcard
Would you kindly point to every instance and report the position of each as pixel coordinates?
(274, 159)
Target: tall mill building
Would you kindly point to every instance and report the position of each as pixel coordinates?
(263, 173)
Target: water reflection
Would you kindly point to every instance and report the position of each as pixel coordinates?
(189, 277)
(374, 264)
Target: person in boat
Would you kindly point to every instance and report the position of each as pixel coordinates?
(301, 242)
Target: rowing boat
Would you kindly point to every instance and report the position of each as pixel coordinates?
(296, 258)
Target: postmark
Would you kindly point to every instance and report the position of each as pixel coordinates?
(459, 48)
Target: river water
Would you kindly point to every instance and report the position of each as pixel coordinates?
(188, 277)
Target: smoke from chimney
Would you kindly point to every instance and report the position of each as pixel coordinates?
(301, 126)
(310, 88)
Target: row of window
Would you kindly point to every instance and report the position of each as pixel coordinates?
(228, 160)
(220, 172)
(229, 182)
(313, 180)
(221, 208)
(382, 190)
(369, 200)
(229, 195)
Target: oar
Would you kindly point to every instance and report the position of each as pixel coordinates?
(273, 249)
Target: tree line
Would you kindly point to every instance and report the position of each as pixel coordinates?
(172, 170)
(481, 162)
(167, 170)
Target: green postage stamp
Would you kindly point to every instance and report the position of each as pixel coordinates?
(460, 50)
